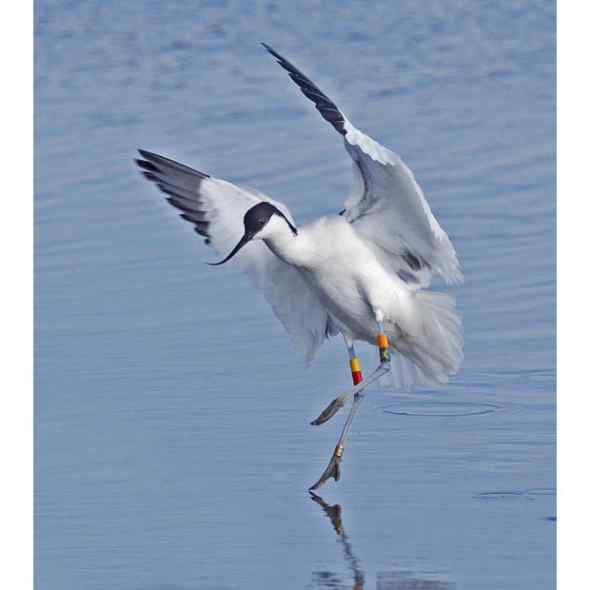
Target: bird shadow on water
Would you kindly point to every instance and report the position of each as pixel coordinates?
(385, 580)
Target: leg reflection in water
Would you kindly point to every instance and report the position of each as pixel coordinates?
(393, 580)
(334, 513)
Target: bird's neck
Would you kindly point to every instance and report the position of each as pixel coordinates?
(290, 248)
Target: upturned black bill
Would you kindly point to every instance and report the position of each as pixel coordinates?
(245, 239)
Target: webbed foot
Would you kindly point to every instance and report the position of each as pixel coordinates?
(333, 469)
(332, 408)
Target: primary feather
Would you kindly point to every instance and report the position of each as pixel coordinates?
(216, 208)
(387, 241)
(386, 204)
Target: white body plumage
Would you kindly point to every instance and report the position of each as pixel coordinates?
(351, 284)
(340, 274)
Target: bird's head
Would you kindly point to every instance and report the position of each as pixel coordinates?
(262, 221)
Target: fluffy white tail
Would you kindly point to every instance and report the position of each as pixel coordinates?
(435, 352)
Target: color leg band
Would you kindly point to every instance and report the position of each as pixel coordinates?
(383, 344)
(355, 369)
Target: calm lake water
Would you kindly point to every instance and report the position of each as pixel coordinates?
(173, 446)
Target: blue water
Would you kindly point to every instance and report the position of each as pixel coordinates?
(173, 449)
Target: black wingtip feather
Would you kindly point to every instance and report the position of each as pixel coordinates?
(268, 48)
(151, 176)
(162, 164)
(323, 104)
(147, 155)
(185, 195)
(146, 165)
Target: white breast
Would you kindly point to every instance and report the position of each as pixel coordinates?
(347, 277)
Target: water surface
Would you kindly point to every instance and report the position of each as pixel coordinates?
(173, 449)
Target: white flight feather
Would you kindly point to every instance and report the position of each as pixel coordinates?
(388, 209)
(292, 300)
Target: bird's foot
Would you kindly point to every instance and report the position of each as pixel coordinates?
(339, 402)
(332, 408)
(333, 469)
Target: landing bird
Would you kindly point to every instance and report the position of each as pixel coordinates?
(360, 274)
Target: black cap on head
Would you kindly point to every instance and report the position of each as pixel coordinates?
(254, 220)
(257, 217)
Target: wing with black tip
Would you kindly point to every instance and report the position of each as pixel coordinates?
(386, 205)
(216, 208)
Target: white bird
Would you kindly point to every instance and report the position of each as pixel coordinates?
(360, 273)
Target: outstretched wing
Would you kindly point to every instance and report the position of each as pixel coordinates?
(216, 208)
(386, 205)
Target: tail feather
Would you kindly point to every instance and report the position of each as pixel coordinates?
(435, 351)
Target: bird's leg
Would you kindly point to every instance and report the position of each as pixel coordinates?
(357, 377)
(355, 366)
(333, 469)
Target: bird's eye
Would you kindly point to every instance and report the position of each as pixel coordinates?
(260, 222)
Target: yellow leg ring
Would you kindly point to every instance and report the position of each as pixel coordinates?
(355, 364)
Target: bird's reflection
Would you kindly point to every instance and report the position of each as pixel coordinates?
(334, 513)
(385, 580)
